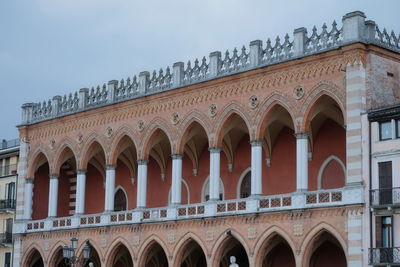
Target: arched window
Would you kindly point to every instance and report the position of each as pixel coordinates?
(205, 196)
(120, 202)
(245, 186)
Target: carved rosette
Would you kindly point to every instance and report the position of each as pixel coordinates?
(254, 101)
(298, 92)
(212, 110)
(175, 118)
(109, 132)
(141, 125)
(79, 138)
(52, 143)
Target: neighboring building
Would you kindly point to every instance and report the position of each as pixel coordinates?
(385, 182)
(261, 154)
(9, 151)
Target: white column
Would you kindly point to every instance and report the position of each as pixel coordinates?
(302, 161)
(256, 168)
(110, 188)
(28, 199)
(53, 195)
(80, 192)
(176, 190)
(214, 172)
(141, 193)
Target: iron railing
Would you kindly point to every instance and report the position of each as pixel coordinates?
(9, 143)
(385, 197)
(6, 238)
(384, 256)
(7, 204)
(8, 170)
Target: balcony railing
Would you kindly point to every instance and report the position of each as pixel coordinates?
(8, 170)
(5, 144)
(6, 238)
(7, 204)
(384, 256)
(385, 197)
(265, 204)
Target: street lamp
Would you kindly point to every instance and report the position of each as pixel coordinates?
(70, 256)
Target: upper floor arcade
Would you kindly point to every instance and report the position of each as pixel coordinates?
(249, 133)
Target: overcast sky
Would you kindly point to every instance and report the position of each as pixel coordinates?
(54, 47)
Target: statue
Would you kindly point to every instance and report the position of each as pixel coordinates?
(233, 262)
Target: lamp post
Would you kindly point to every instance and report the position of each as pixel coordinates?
(70, 256)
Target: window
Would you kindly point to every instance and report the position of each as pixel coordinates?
(245, 186)
(120, 200)
(385, 182)
(385, 130)
(387, 232)
(206, 190)
(7, 259)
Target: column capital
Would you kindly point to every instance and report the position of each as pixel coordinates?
(111, 167)
(29, 180)
(53, 176)
(81, 171)
(256, 142)
(142, 161)
(177, 156)
(301, 135)
(214, 149)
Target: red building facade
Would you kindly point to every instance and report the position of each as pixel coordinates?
(252, 155)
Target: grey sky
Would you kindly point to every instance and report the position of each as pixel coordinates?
(54, 47)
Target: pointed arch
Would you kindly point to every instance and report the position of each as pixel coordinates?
(186, 185)
(146, 247)
(122, 132)
(241, 178)
(64, 153)
(112, 250)
(206, 186)
(228, 112)
(154, 126)
(322, 89)
(221, 244)
(325, 164)
(193, 117)
(125, 194)
(89, 145)
(306, 247)
(93, 246)
(54, 253)
(264, 240)
(265, 110)
(30, 253)
(182, 244)
(38, 158)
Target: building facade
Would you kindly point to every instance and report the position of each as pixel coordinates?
(261, 154)
(385, 184)
(9, 151)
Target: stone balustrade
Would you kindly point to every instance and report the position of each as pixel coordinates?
(354, 29)
(295, 201)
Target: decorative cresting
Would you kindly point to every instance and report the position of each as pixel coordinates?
(354, 29)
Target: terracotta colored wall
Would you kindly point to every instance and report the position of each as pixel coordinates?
(123, 179)
(157, 189)
(241, 161)
(328, 255)
(63, 195)
(333, 176)
(94, 199)
(280, 177)
(40, 199)
(330, 140)
(195, 183)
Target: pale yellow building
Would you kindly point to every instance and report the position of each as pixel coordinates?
(9, 151)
